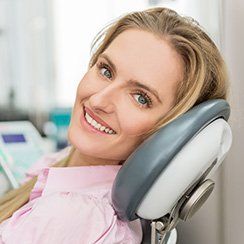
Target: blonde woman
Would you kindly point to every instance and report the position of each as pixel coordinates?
(147, 68)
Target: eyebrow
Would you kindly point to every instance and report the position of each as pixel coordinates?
(132, 83)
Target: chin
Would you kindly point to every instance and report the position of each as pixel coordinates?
(83, 144)
(88, 146)
(75, 138)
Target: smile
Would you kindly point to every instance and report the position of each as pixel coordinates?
(96, 125)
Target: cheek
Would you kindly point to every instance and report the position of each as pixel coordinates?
(136, 124)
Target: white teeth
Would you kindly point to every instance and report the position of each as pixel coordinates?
(88, 117)
(94, 123)
(98, 126)
(102, 128)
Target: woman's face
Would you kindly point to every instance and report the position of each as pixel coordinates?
(131, 86)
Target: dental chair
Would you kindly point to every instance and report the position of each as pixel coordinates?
(167, 177)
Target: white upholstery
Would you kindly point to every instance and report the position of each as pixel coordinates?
(185, 168)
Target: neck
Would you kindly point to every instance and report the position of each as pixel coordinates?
(79, 159)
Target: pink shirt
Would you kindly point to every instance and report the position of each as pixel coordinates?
(69, 205)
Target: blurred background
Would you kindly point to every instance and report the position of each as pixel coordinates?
(44, 52)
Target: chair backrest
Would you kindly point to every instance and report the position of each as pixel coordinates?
(173, 161)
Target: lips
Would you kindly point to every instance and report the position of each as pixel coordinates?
(100, 121)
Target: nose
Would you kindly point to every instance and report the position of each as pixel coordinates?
(103, 99)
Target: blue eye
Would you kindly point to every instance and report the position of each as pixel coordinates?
(143, 99)
(107, 73)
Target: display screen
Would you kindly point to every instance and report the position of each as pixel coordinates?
(13, 138)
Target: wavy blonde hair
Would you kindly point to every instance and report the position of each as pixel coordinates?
(205, 75)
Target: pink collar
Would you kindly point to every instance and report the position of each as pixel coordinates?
(80, 178)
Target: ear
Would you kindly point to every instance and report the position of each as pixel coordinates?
(167, 167)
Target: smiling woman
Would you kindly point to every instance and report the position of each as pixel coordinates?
(139, 64)
(148, 68)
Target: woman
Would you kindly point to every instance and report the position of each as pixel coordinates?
(148, 68)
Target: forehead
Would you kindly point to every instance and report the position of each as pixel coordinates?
(142, 56)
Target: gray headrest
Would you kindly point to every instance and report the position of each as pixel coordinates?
(144, 165)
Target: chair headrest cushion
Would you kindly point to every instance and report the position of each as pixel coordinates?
(145, 164)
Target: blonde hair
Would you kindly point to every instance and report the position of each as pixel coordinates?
(205, 75)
